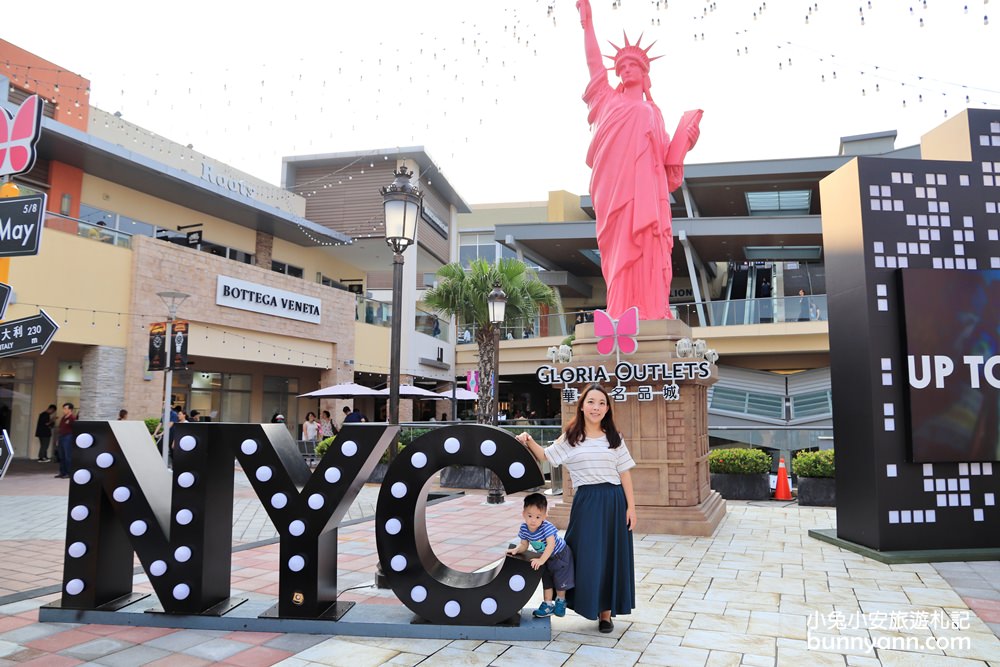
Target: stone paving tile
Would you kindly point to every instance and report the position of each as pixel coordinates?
(96, 649)
(256, 656)
(596, 656)
(343, 653)
(131, 657)
(517, 656)
(216, 649)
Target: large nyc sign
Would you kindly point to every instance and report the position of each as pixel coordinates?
(179, 523)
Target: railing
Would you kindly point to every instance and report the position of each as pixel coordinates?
(88, 230)
(717, 313)
(754, 311)
(379, 314)
(374, 312)
(432, 325)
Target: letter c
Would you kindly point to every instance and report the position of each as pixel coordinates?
(428, 587)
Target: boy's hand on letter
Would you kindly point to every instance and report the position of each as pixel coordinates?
(536, 563)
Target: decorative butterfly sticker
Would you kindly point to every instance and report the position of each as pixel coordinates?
(18, 135)
(616, 334)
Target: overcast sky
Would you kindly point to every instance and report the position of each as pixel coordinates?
(492, 89)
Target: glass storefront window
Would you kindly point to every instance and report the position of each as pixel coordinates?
(15, 405)
(281, 398)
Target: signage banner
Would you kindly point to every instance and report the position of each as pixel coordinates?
(179, 346)
(472, 381)
(236, 293)
(21, 220)
(158, 346)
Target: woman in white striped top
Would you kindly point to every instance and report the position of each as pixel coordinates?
(603, 514)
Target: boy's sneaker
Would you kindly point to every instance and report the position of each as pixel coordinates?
(560, 608)
(544, 610)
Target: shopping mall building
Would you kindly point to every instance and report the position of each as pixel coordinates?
(278, 287)
(132, 214)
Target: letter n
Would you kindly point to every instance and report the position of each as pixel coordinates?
(123, 497)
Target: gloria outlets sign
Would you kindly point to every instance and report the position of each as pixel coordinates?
(236, 293)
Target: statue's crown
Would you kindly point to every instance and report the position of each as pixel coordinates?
(634, 51)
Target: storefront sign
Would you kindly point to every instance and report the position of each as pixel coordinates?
(235, 293)
(209, 173)
(695, 369)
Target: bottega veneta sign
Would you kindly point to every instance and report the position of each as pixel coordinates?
(257, 298)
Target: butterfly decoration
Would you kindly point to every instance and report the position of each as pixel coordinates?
(616, 334)
(18, 135)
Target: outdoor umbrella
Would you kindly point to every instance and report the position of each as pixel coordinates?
(410, 391)
(343, 390)
(461, 394)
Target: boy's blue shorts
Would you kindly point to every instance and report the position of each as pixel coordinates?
(557, 572)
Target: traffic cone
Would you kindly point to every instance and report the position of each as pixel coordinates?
(781, 489)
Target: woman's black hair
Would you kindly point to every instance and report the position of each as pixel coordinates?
(575, 431)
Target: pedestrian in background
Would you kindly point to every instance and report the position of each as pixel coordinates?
(65, 439)
(43, 431)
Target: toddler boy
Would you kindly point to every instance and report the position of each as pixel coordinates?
(556, 557)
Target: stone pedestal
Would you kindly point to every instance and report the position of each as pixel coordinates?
(667, 439)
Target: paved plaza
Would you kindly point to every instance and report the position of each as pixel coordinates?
(759, 592)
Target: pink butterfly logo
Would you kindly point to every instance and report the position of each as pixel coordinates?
(18, 135)
(618, 333)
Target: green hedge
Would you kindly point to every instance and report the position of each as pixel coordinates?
(814, 464)
(323, 445)
(151, 423)
(406, 436)
(739, 461)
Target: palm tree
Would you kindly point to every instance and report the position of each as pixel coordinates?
(462, 293)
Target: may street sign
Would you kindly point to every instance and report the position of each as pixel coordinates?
(21, 225)
(28, 334)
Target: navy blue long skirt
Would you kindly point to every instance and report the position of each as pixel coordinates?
(602, 552)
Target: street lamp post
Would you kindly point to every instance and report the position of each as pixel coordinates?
(497, 301)
(402, 201)
(173, 301)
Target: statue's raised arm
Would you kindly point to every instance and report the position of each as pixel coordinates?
(594, 60)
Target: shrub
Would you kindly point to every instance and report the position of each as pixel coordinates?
(151, 423)
(406, 436)
(814, 464)
(739, 461)
(323, 445)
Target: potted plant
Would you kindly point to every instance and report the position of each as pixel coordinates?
(740, 473)
(817, 483)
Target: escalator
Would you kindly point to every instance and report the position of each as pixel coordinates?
(748, 295)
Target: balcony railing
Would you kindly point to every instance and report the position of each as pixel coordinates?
(88, 230)
(753, 311)
(379, 313)
(717, 313)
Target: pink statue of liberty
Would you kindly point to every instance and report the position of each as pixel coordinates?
(635, 168)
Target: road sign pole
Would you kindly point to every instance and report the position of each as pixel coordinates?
(168, 386)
